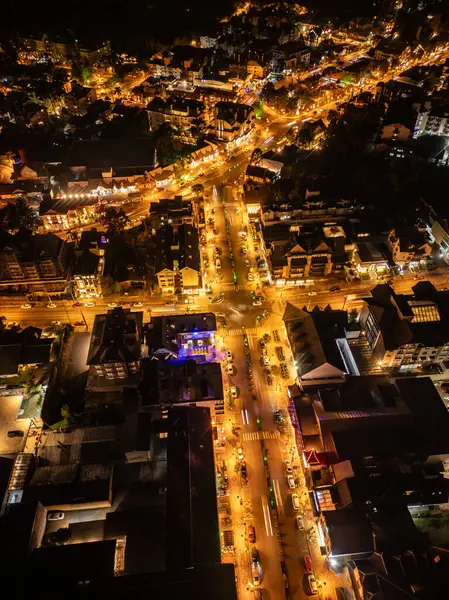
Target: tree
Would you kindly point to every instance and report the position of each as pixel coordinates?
(109, 286)
(115, 221)
(198, 189)
(59, 537)
(267, 338)
(256, 156)
(20, 215)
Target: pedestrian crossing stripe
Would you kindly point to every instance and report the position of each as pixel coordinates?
(249, 331)
(260, 435)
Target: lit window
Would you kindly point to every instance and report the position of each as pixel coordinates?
(163, 434)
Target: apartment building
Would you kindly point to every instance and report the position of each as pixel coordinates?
(408, 332)
(28, 260)
(186, 116)
(232, 121)
(178, 263)
(115, 346)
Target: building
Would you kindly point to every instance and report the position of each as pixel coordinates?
(231, 121)
(115, 346)
(178, 262)
(23, 348)
(89, 264)
(182, 336)
(376, 453)
(408, 246)
(176, 212)
(186, 116)
(408, 332)
(64, 213)
(34, 263)
(318, 340)
(255, 69)
(432, 121)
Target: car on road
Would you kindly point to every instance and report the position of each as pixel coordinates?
(79, 323)
(230, 369)
(312, 294)
(170, 304)
(218, 263)
(300, 523)
(247, 264)
(291, 482)
(312, 584)
(51, 305)
(334, 289)
(288, 467)
(308, 562)
(233, 391)
(255, 557)
(251, 278)
(90, 304)
(56, 323)
(251, 534)
(240, 453)
(16, 433)
(228, 354)
(269, 380)
(295, 502)
(12, 324)
(256, 576)
(257, 303)
(26, 306)
(55, 515)
(138, 304)
(112, 304)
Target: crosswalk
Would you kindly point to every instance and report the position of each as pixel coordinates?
(241, 331)
(260, 435)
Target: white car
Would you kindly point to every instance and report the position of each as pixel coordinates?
(250, 278)
(256, 576)
(112, 304)
(26, 306)
(51, 305)
(257, 303)
(266, 361)
(295, 502)
(247, 263)
(300, 523)
(312, 294)
(233, 391)
(228, 354)
(291, 482)
(240, 453)
(55, 516)
(90, 304)
(230, 369)
(56, 322)
(312, 583)
(138, 304)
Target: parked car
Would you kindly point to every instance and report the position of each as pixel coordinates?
(55, 515)
(257, 303)
(334, 289)
(256, 576)
(228, 354)
(25, 306)
(312, 584)
(16, 433)
(308, 562)
(138, 304)
(90, 304)
(51, 305)
(291, 482)
(255, 557)
(251, 534)
(288, 467)
(247, 263)
(56, 323)
(112, 304)
(250, 278)
(79, 323)
(233, 391)
(300, 523)
(240, 453)
(295, 502)
(229, 369)
(312, 294)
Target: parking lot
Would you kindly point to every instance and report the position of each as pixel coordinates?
(9, 407)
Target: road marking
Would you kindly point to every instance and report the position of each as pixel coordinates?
(267, 517)
(241, 331)
(244, 417)
(277, 493)
(251, 436)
